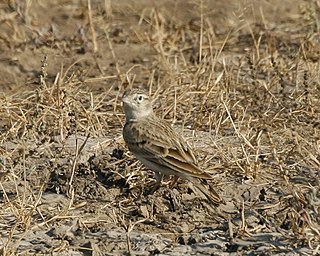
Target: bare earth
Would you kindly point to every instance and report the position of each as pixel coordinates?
(240, 80)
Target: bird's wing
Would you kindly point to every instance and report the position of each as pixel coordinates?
(158, 142)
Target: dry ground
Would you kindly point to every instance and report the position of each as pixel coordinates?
(239, 79)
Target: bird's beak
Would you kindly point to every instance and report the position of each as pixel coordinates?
(125, 99)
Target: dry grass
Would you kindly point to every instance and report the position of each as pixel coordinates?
(244, 89)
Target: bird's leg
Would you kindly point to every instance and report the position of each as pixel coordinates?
(174, 181)
(158, 176)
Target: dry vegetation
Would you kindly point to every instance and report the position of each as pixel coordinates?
(240, 79)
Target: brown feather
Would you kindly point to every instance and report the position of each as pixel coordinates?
(156, 144)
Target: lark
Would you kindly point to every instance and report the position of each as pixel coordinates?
(158, 146)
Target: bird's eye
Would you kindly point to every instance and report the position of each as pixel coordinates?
(140, 98)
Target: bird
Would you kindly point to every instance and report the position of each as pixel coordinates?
(159, 147)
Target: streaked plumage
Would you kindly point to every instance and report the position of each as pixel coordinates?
(156, 144)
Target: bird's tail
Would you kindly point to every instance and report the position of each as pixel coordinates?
(209, 193)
